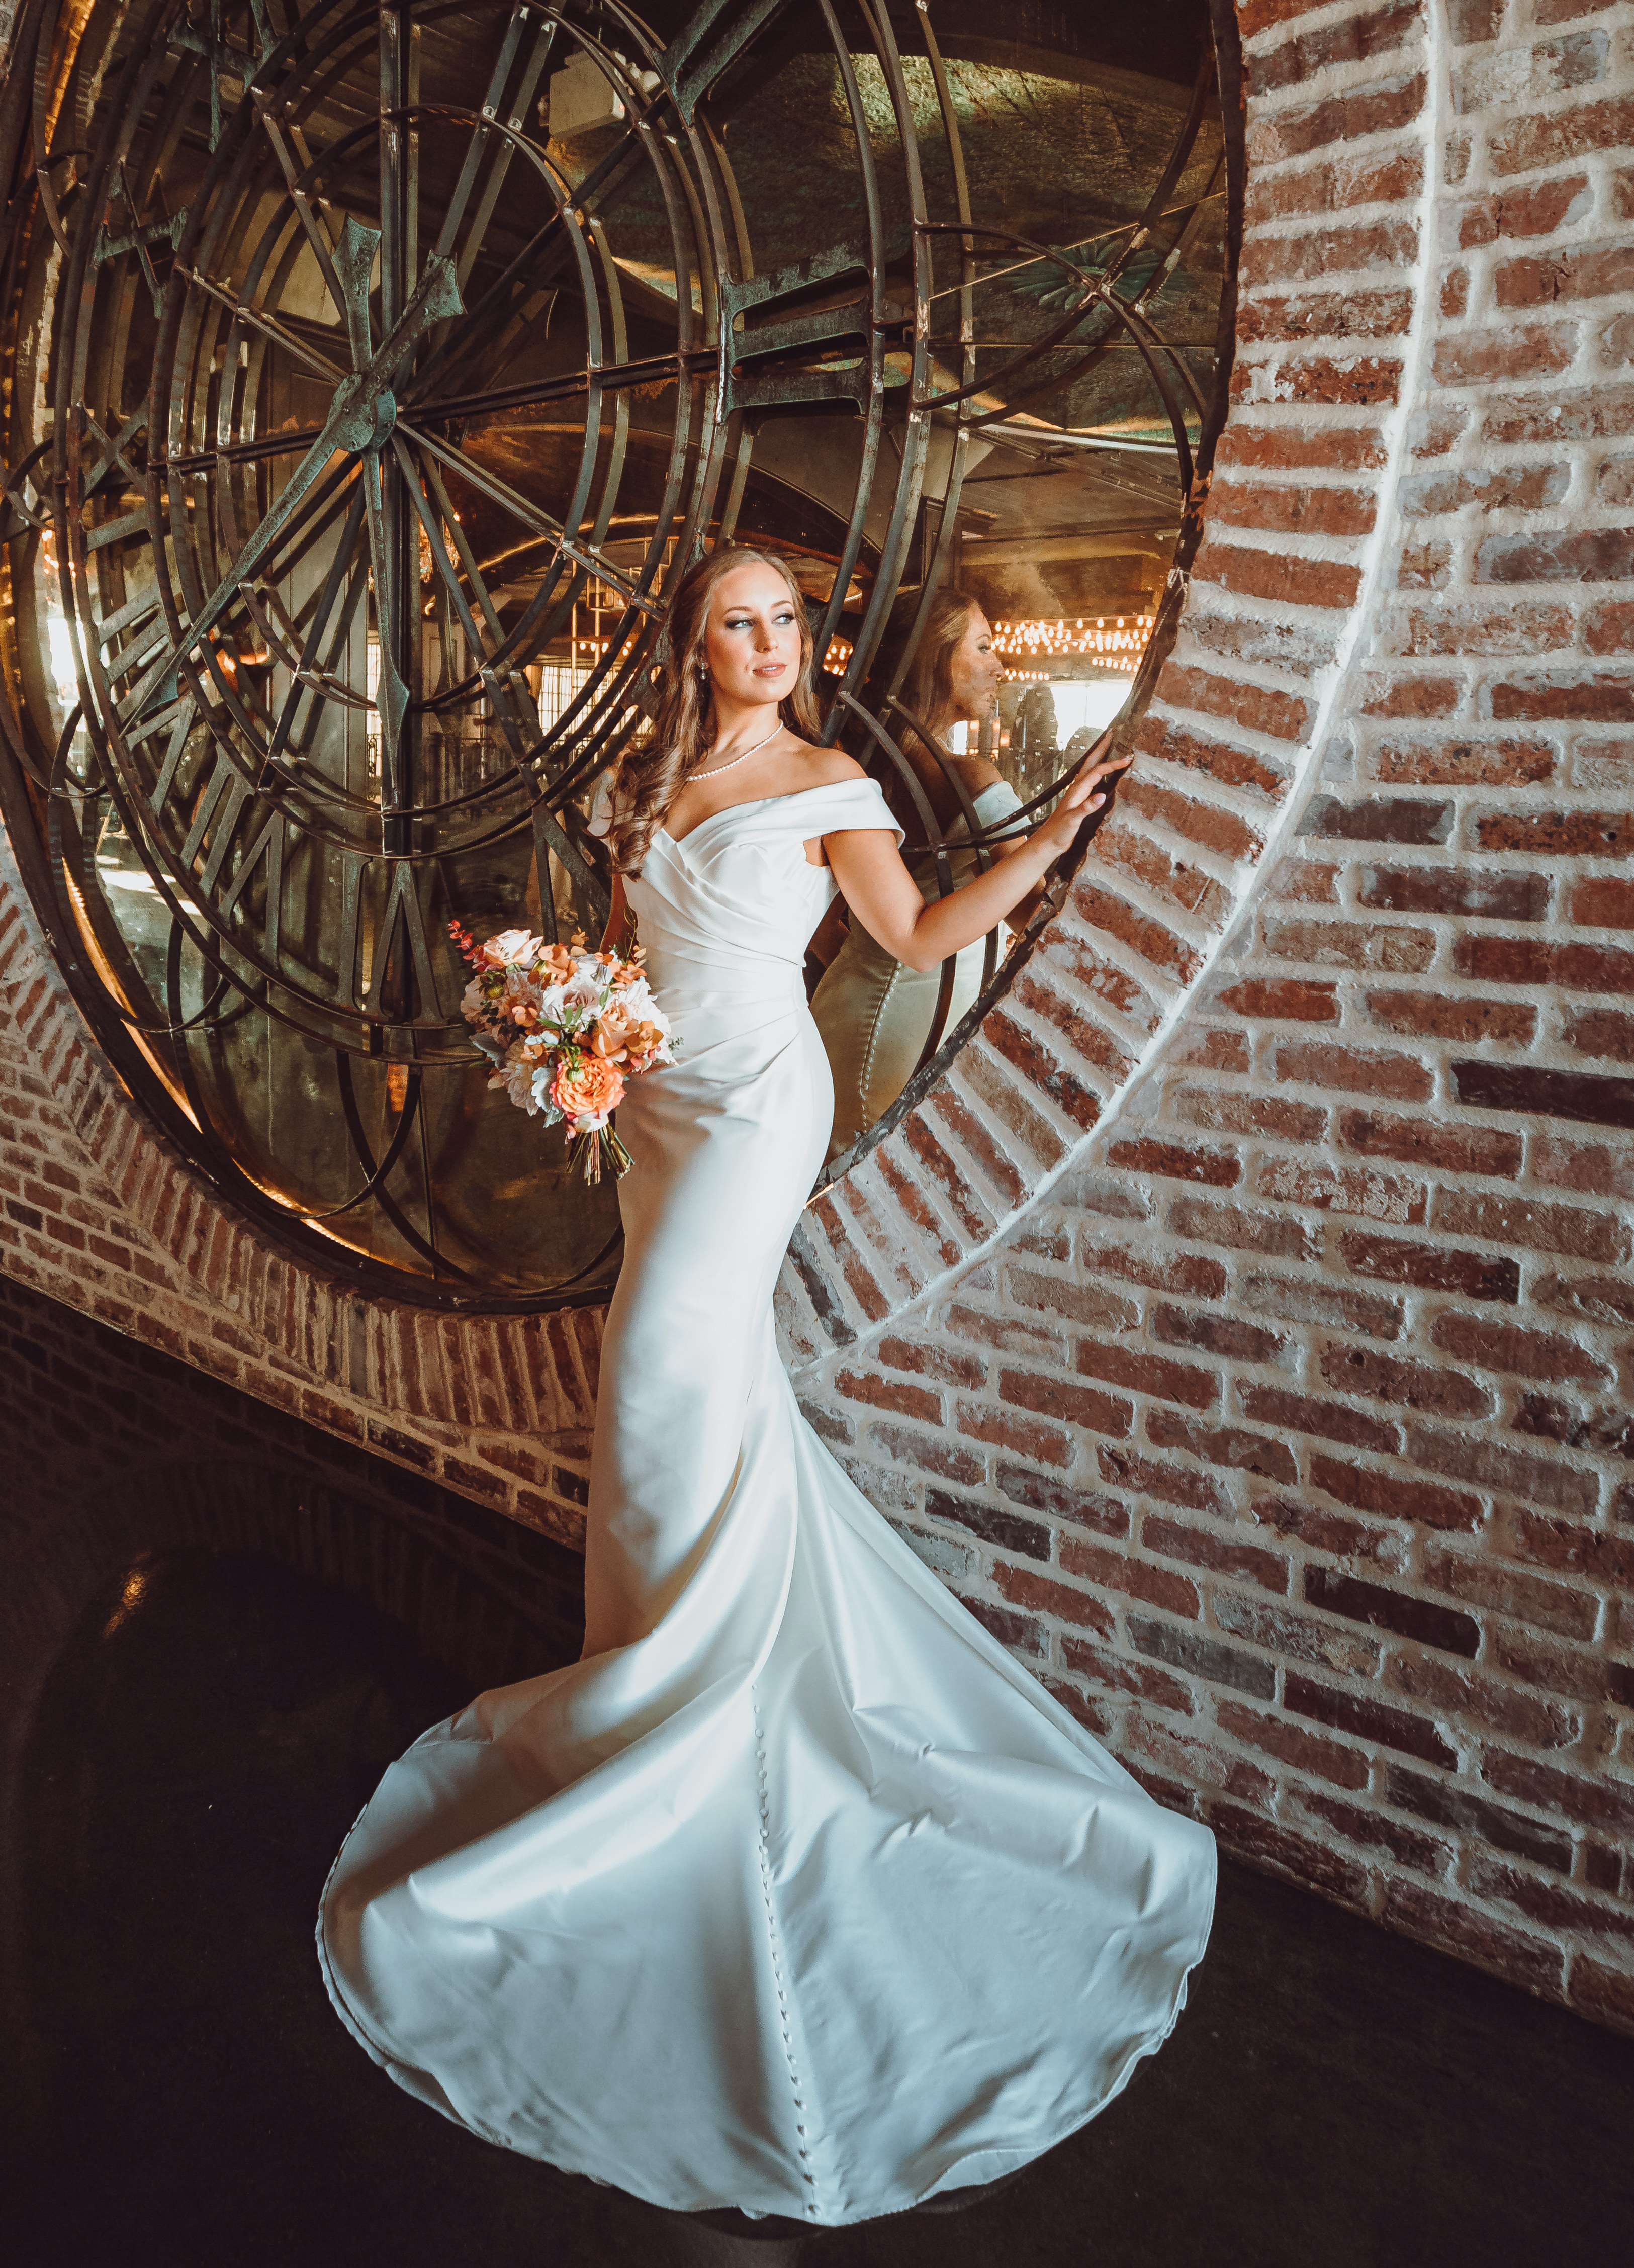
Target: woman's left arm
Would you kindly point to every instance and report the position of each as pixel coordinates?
(884, 896)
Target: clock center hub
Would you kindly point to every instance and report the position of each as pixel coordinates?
(368, 423)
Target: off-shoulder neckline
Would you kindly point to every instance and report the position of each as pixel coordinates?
(760, 802)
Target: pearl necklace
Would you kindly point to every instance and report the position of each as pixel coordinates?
(716, 771)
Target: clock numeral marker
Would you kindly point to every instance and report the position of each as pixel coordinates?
(779, 325)
(227, 792)
(698, 54)
(402, 918)
(183, 714)
(267, 848)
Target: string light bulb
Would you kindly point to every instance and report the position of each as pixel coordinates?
(1120, 636)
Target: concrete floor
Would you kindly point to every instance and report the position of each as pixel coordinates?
(179, 2092)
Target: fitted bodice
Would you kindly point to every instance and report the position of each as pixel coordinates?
(731, 908)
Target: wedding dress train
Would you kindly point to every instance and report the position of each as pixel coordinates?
(797, 1893)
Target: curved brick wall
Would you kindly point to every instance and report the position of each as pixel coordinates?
(1242, 1325)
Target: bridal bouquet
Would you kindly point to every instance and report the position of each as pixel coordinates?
(563, 1028)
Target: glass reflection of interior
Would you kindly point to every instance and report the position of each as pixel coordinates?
(1064, 523)
(270, 845)
(875, 1013)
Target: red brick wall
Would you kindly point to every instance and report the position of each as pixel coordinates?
(1242, 1325)
(1243, 1328)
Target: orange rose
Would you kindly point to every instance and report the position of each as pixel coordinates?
(611, 1037)
(590, 1092)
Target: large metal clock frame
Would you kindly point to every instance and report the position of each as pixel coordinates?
(200, 688)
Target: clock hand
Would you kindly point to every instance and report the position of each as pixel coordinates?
(354, 263)
(354, 424)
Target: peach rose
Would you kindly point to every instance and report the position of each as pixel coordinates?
(611, 1037)
(641, 1040)
(590, 1092)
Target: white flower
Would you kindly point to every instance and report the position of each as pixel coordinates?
(525, 1083)
(511, 946)
(587, 990)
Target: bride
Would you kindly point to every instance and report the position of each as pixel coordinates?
(797, 1893)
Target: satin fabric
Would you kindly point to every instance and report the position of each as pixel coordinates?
(796, 1894)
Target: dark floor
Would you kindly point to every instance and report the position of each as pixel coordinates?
(1333, 2097)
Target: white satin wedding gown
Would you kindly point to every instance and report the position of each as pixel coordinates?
(797, 1893)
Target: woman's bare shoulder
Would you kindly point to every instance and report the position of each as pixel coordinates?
(828, 766)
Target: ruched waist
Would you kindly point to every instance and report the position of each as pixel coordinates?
(681, 981)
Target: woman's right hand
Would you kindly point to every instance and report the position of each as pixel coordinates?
(1060, 831)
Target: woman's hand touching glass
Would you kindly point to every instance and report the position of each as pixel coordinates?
(1060, 831)
(884, 898)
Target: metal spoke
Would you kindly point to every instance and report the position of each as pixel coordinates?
(532, 517)
(256, 321)
(498, 691)
(483, 133)
(349, 425)
(468, 557)
(534, 260)
(503, 155)
(317, 232)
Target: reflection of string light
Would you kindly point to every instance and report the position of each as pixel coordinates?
(1123, 635)
(131, 1595)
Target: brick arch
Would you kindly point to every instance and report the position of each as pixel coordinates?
(1239, 1324)
(1335, 341)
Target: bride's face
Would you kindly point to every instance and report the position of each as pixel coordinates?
(977, 672)
(753, 641)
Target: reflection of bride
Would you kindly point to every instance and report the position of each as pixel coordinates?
(796, 1893)
(875, 1012)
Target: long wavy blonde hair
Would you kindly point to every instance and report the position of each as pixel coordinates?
(653, 769)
